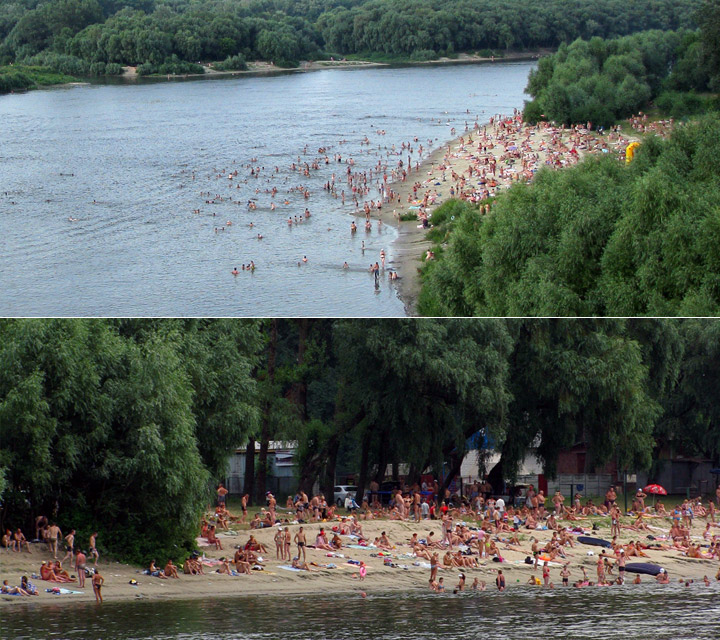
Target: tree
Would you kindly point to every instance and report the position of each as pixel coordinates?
(578, 381)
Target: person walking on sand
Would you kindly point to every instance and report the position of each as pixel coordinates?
(93, 548)
(69, 545)
(97, 583)
(53, 534)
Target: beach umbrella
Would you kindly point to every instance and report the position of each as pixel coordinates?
(656, 490)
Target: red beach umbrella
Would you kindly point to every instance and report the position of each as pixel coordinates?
(655, 489)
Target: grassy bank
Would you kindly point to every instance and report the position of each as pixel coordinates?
(15, 78)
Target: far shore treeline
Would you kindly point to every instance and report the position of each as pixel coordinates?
(98, 37)
(125, 426)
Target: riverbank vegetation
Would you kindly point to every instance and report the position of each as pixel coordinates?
(100, 36)
(600, 238)
(603, 81)
(125, 426)
(23, 77)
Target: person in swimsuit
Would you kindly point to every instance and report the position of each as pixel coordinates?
(301, 542)
(244, 504)
(97, 583)
(80, 560)
(69, 545)
(500, 581)
(286, 543)
(93, 549)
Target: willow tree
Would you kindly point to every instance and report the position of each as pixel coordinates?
(418, 390)
(578, 381)
(97, 431)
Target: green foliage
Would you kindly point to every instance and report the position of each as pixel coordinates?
(148, 32)
(20, 77)
(119, 425)
(600, 238)
(232, 63)
(171, 66)
(580, 381)
(602, 81)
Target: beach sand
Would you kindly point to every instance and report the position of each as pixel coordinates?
(517, 149)
(380, 578)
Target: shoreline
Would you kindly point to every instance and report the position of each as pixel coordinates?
(409, 574)
(261, 68)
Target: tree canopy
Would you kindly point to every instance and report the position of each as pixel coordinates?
(86, 37)
(602, 81)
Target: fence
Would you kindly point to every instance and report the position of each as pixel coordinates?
(589, 484)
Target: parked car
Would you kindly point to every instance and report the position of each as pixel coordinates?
(342, 491)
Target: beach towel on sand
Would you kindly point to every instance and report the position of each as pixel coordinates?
(287, 567)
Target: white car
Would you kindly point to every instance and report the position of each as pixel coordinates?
(342, 491)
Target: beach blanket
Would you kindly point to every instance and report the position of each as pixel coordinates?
(63, 591)
(287, 567)
(210, 563)
(360, 546)
(201, 542)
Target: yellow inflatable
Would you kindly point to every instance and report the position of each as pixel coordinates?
(630, 151)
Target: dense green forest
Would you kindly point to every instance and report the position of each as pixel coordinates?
(96, 37)
(600, 238)
(126, 425)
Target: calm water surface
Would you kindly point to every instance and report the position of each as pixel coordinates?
(97, 195)
(637, 612)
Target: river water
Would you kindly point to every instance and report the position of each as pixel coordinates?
(98, 200)
(649, 611)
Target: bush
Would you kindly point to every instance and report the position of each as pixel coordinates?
(13, 79)
(423, 55)
(679, 105)
(171, 66)
(232, 63)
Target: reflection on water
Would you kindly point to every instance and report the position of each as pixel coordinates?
(640, 612)
(97, 198)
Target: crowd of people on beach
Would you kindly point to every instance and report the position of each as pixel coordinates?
(51, 535)
(477, 530)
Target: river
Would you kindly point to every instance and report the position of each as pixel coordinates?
(652, 612)
(100, 214)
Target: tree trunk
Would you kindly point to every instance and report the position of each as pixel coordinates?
(262, 470)
(298, 391)
(454, 470)
(364, 456)
(249, 485)
(327, 486)
(383, 457)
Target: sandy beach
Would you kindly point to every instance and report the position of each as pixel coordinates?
(403, 574)
(478, 165)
